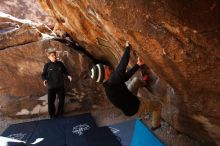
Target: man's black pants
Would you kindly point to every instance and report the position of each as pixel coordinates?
(51, 99)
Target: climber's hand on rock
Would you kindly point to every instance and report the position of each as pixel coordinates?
(140, 61)
(70, 78)
(127, 44)
(45, 83)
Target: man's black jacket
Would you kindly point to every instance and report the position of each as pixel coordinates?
(54, 73)
(116, 89)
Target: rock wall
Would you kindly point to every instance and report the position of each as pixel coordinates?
(178, 40)
(22, 53)
(26, 9)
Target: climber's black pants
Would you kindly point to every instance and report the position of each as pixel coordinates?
(51, 99)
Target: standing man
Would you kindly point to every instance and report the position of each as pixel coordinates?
(123, 97)
(53, 74)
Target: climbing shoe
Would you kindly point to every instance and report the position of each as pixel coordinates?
(155, 128)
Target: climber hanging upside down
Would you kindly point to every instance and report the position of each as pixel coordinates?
(122, 96)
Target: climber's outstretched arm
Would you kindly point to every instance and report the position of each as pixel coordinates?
(121, 68)
(118, 74)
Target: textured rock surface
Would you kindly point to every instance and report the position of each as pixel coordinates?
(179, 40)
(22, 53)
(24, 9)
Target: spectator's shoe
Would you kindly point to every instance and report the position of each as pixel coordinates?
(60, 116)
(53, 116)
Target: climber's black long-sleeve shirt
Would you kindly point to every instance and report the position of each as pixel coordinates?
(54, 73)
(116, 89)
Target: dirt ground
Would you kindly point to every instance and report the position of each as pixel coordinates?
(110, 115)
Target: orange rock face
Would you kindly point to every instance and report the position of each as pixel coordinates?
(179, 40)
(23, 9)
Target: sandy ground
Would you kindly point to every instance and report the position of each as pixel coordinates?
(110, 115)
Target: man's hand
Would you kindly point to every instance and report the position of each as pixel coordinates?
(70, 78)
(140, 61)
(45, 83)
